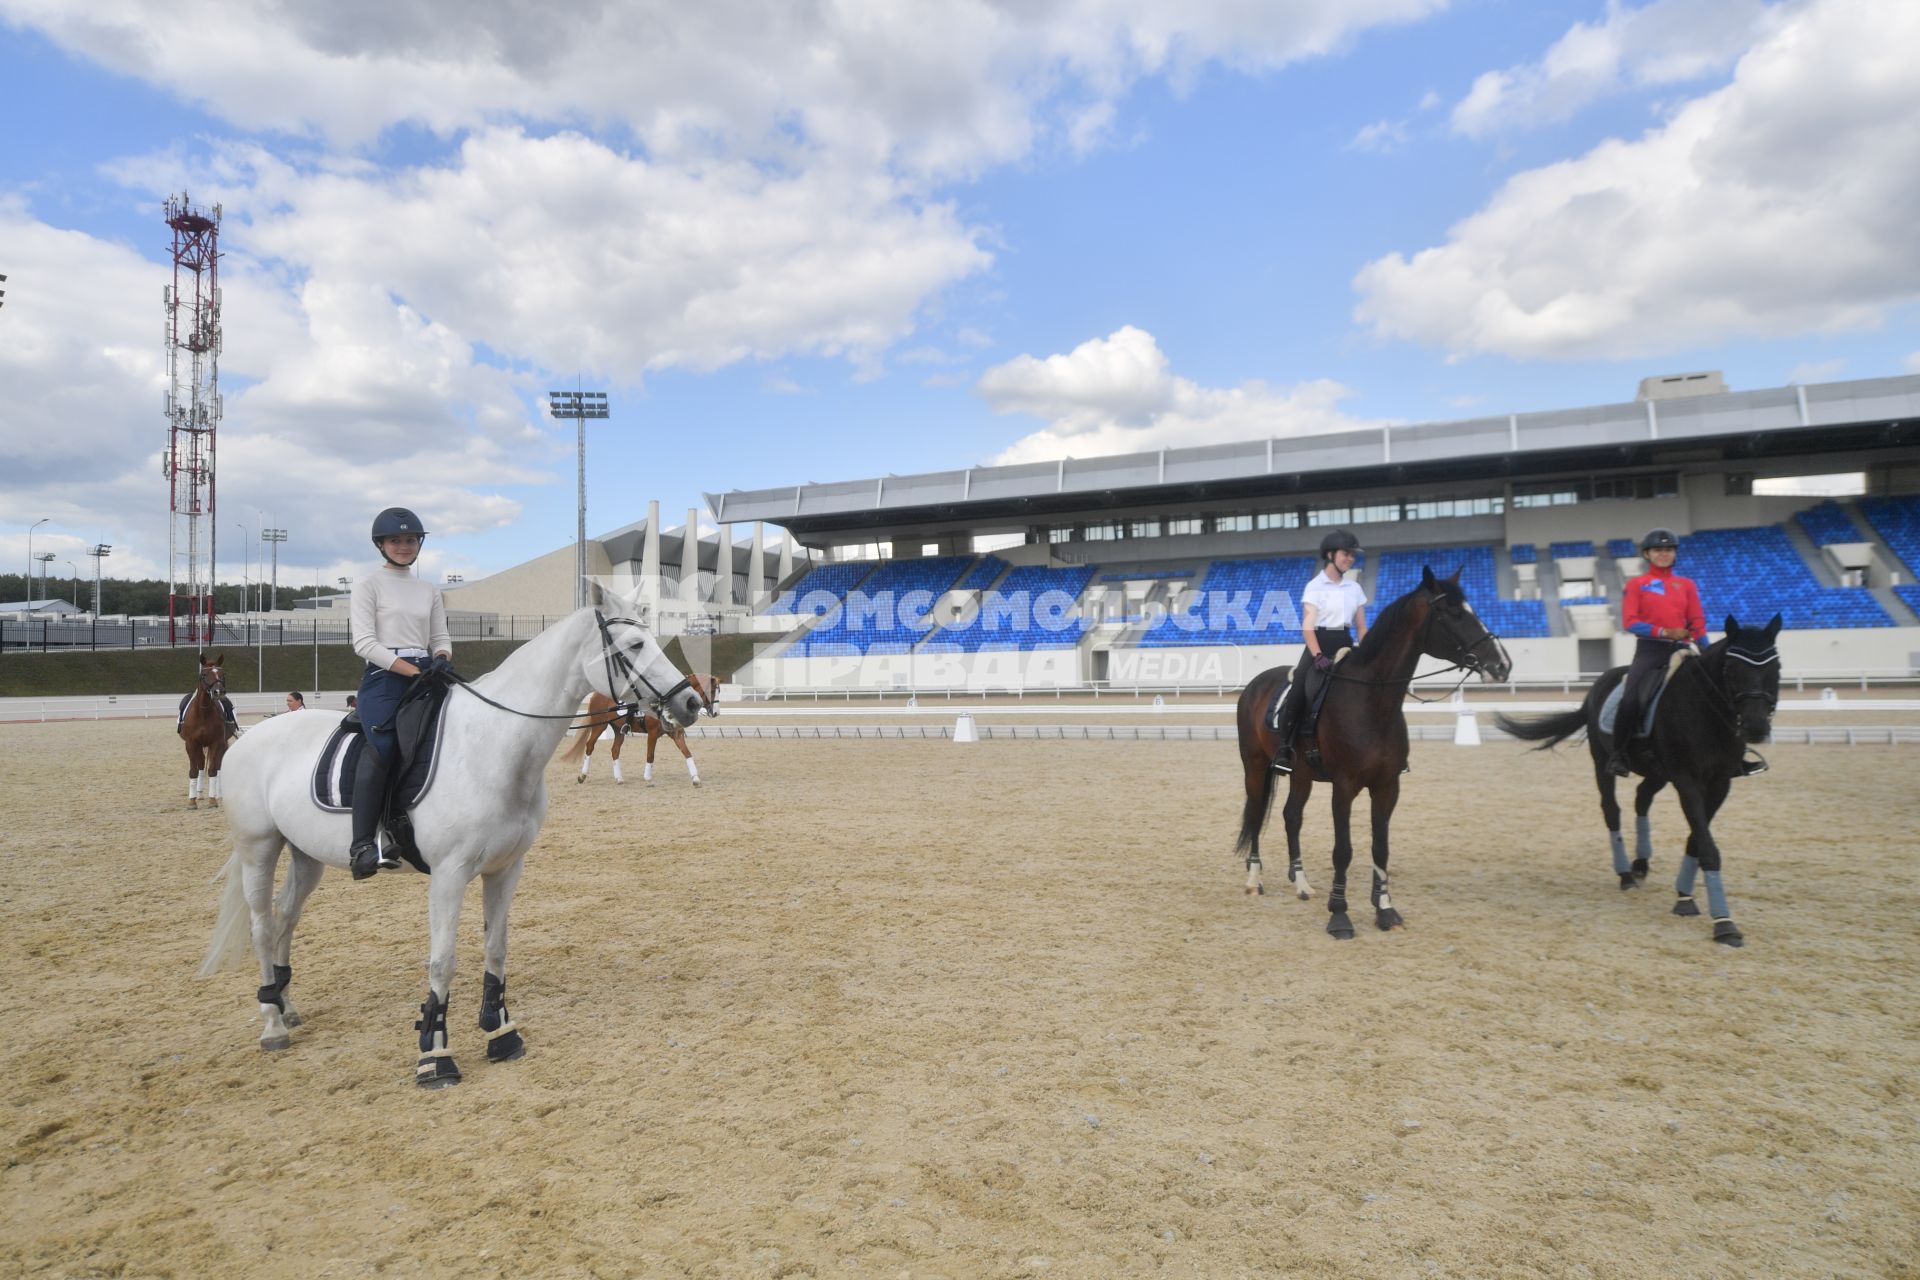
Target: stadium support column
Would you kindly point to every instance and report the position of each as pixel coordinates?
(757, 568)
(690, 558)
(650, 556)
(723, 567)
(786, 555)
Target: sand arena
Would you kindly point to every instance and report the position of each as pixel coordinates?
(886, 1008)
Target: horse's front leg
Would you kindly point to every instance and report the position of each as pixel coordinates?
(1700, 801)
(653, 740)
(1610, 814)
(693, 770)
(1650, 787)
(436, 1069)
(613, 754)
(586, 752)
(196, 761)
(503, 1038)
(1385, 795)
(214, 755)
(1300, 786)
(1338, 925)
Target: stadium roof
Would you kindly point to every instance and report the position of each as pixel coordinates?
(1874, 413)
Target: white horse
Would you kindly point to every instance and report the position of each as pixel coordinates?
(480, 816)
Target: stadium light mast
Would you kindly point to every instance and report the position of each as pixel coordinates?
(276, 537)
(99, 551)
(29, 582)
(45, 558)
(579, 405)
(193, 408)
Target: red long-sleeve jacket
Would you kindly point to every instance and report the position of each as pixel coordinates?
(1662, 598)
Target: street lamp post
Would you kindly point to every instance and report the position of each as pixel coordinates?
(99, 551)
(579, 405)
(45, 558)
(29, 583)
(276, 537)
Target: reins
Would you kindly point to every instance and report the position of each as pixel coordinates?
(1466, 667)
(621, 708)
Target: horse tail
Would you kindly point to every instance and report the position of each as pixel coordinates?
(579, 745)
(234, 929)
(1254, 815)
(1548, 731)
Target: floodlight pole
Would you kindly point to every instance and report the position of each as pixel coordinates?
(45, 558)
(276, 537)
(579, 405)
(99, 551)
(29, 582)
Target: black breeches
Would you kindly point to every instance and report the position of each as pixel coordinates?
(1649, 656)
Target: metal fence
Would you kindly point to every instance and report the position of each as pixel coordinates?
(1870, 735)
(62, 635)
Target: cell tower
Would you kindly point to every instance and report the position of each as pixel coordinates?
(193, 418)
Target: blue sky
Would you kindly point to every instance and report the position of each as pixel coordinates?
(852, 242)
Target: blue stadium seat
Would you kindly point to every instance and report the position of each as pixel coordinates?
(885, 610)
(1897, 520)
(1621, 548)
(1239, 602)
(1400, 573)
(1570, 550)
(1525, 553)
(1753, 573)
(834, 580)
(1827, 524)
(1033, 607)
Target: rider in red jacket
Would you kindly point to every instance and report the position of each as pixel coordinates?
(1663, 609)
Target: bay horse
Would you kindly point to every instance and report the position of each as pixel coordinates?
(1713, 708)
(604, 716)
(482, 813)
(1361, 735)
(203, 727)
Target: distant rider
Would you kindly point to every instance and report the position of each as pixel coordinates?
(1663, 610)
(398, 620)
(1329, 605)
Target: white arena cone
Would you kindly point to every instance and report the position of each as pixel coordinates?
(963, 730)
(1466, 729)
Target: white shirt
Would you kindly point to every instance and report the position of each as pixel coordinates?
(1334, 603)
(391, 610)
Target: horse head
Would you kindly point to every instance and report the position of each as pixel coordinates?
(1454, 633)
(213, 673)
(628, 665)
(709, 687)
(1750, 674)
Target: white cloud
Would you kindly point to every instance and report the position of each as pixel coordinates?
(1118, 394)
(1666, 42)
(1780, 204)
(1913, 362)
(1818, 371)
(930, 89)
(1381, 135)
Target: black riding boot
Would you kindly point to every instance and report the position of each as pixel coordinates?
(369, 800)
(1288, 720)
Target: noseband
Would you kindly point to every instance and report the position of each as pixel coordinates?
(635, 678)
(1770, 658)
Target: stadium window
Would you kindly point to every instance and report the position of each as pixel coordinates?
(1377, 513)
(1060, 533)
(1146, 528)
(1847, 484)
(929, 548)
(1240, 522)
(1103, 531)
(1180, 525)
(1276, 520)
(985, 542)
(1739, 483)
(1320, 517)
(1555, 493)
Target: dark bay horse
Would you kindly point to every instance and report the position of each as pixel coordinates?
(203, 727)
(1361, 735)
(603, 715)
(1713, 708)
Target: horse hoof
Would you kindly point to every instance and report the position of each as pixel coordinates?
(1389, 921)
(1640, 868)
(1338, 926)
(1686, 907)
(193, 804)
(213, 804)
(580, 777)
(436, 1073)
(506, 1048)
(274, 1044)
(1726, 935)
(1627, 880)
(293, 1019)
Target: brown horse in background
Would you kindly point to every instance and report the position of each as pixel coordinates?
(602, 715)
(203, 727)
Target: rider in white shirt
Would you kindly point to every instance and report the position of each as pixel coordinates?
(1333, 616)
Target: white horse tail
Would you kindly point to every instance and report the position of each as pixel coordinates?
(233, 931)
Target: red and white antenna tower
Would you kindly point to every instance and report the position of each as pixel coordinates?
(193, 418)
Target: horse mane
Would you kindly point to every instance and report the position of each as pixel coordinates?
(1392, 618)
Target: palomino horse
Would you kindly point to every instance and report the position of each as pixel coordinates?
(1362, 734)
(603, 715)
(481, 814)
(203, 727)
(1713, 707)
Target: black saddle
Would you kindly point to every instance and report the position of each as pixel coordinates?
(418, 725)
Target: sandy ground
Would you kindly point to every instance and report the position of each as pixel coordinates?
(918, 1009)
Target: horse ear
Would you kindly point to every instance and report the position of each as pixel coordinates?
(1733, 624)
(220, 659)
(1773, 628)
(203, 657)
(1426, 575)
(1455, 579)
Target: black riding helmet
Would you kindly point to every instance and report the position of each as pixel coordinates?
(1656, 538)
(1339, 540)
(392, 522)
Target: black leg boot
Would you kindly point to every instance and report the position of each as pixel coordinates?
(369, 800)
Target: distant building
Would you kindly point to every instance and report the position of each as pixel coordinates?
(40, 608)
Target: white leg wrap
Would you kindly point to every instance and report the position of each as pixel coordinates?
(616, 772)
(646, 771)
(693, 770)
(193, 786)
(213, 786)
(587, 760)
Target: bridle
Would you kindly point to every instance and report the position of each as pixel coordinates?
(624, 701)
(1730, 702)
(1467, 665)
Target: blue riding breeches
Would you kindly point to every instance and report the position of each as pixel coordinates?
(380, 694)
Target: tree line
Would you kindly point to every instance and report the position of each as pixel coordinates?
(144, 596)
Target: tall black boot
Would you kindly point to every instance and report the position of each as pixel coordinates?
(369, 801)
(1288, 718)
